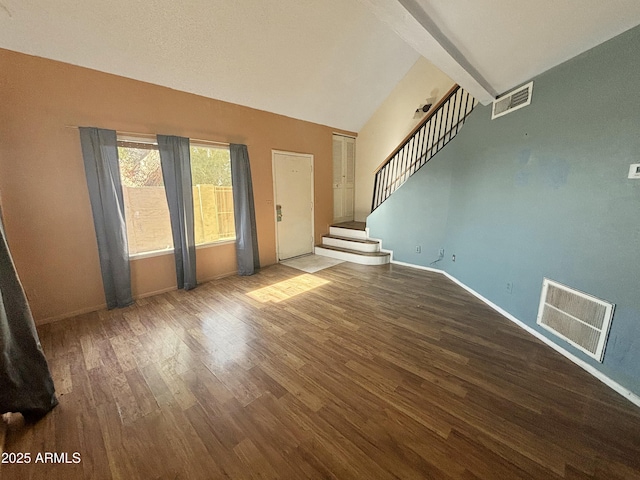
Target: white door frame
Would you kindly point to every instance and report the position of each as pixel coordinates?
(344, 165)
(313, 198)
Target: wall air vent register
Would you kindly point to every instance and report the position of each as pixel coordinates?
(579, 318)
(512, 101)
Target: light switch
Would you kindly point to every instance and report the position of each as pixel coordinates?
(634, 170)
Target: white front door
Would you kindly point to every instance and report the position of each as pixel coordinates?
(293, 192)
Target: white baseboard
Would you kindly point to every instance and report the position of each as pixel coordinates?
(103, 306)
(154, 292)
(625, 392)
(217, 277)
(74, 313)
(420, 267)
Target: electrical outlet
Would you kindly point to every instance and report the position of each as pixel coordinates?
(509, 287)
(453, 258)
(441, 254)
(418, 249)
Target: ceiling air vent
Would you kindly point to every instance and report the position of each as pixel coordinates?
(520, 97)
(580, 319)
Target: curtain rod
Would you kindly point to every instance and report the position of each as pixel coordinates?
(138, 134)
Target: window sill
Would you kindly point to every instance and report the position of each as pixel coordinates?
(214, 244)
(159, 253)
(155, 253)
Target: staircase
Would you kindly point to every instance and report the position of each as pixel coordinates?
(349, 241)
(438, 128)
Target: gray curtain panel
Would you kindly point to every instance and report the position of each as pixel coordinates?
(176, 170)
(25, 382)
(100, 152)
(244, 211)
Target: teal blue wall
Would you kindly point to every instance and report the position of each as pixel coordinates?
(541, 192)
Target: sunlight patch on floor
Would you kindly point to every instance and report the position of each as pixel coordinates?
(287, 288)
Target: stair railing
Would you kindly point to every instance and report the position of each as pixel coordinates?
(438, 128)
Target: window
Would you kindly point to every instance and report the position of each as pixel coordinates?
(212, 194)
(145, 201)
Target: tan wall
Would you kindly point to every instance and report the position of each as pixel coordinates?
(390, 123)
(50, 229)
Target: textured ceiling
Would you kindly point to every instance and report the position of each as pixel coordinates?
(331, 61)
(500, 44)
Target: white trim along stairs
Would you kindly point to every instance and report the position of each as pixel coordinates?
(350, 241)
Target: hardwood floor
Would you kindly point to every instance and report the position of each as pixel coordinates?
(354, 372)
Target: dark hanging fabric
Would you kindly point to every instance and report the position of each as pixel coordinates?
(176, 171)
(244, 211)
(100, 153)
(25, 381)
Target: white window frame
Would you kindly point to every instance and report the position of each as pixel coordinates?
(220, 146)
(152, 140)
(148, 140)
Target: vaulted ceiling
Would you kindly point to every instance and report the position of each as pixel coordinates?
(491, 46)
(332, 61)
